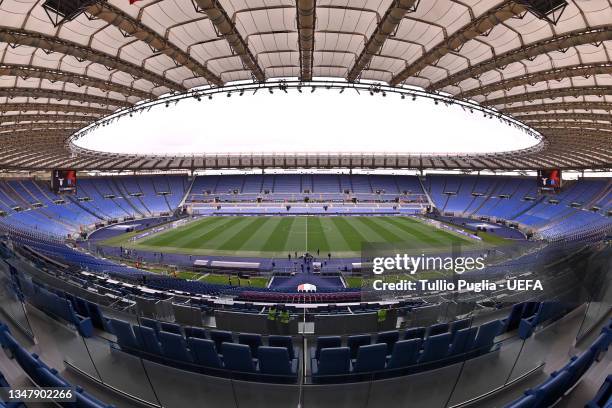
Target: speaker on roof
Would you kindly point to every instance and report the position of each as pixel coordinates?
(60, 11)
(548, 10)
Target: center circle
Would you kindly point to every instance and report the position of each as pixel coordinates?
(309, 120)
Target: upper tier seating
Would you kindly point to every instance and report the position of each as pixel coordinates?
(580, 210)
(31, 205)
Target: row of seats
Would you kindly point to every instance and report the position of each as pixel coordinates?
(603, 398)
(57, 306)
(559, 382)
(546, 311)
(210, 352)
(5, 384)
(43, 375)
(420, 349)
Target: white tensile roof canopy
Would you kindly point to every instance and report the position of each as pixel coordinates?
(66, 64)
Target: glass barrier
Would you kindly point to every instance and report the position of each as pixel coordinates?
(11, 302)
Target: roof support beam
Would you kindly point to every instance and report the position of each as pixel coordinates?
(46, 118)
(385, 28)
(550, 94)
(530, 51)
(117, 17)
(228, 30)
(306, 17)
(53, 107)
(568, 117)
(581, 70)
(61, 95)
(587, 126)
(15, 36)
(53, 75)
(562, 106)
(479, 26)
(60, 127)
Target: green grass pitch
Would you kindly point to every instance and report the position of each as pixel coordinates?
(269, 236)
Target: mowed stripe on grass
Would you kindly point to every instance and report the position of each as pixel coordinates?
(317, 238)
(182, 235)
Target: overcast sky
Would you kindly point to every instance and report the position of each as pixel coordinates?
(323, 121)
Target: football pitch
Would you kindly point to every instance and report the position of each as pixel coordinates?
(273, 236)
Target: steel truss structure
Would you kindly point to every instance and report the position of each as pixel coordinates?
(549, 69)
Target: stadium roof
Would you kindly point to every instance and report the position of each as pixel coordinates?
(68, 63)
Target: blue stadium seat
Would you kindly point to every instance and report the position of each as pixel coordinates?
(198, 332)
(486, 336)
(325, 342)
(333, 362)
(275, 361)
(578, 365)
(389, 338)
(47, 378)
(251, 340)
(173, 347)
(370, 358)
(435, 348)
(552, 389)
(415, 333)
(5, 384)
(459, 325)
(220, 337)
(150, 323)
(237, 357)
(125, 335)
(147, 339)
(170, 328)
(204, 353)
(97, 318)
(436, 329)
(405, 353)
(463, 341)
(282, 341)
(354, 342)
(603, 398)
(513, 320)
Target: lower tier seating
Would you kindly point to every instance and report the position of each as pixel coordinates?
(559, 382)
(42, 375)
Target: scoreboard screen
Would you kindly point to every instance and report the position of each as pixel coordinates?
(63, 181)
(549, 180)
